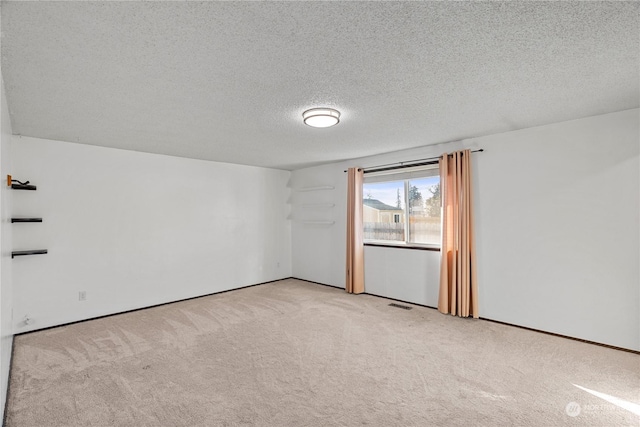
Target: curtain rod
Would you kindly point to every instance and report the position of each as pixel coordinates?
(408, 163)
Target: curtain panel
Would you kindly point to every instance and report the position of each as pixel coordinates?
(355, 247)
(458, 277)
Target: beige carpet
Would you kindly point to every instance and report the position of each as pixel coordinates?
(292, 353)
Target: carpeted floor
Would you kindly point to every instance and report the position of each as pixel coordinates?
(292, 353)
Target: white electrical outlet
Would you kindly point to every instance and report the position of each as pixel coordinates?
(82, 295)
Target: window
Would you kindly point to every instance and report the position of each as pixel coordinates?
(402, 206)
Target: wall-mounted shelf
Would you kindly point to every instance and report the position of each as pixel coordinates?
(318, 222)
(23, 187)
(26, 220)
(31, 252)
(321, 187)
(19, 185)
(317, 205)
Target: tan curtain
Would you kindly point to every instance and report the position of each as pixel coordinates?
(458, 278)
(355, 247)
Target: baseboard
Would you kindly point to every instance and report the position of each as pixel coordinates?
(613, 347)
(146, 307)
(333, 287)
(317, 283)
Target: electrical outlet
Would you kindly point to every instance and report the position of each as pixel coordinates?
(82, 295)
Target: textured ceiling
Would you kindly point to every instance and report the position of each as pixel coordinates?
(228, 81)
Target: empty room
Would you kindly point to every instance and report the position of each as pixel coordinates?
(319, 213)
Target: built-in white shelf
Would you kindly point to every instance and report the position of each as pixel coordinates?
(317, 205)
(318, 188)
(319, 222)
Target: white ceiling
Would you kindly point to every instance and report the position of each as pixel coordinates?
(228, 81)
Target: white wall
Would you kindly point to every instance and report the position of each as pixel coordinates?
(134, 229)
(6, 287)
(557, 228)
(383, 276)
(558, 231)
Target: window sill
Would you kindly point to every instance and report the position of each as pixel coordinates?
(403, 246)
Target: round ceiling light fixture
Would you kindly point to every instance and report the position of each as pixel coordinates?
(321, 117)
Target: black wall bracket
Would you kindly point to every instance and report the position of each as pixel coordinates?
(19, 185)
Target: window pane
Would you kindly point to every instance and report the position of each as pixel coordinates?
(383, 211)
(424, 210)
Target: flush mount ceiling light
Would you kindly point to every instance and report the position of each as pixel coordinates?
(321, 117)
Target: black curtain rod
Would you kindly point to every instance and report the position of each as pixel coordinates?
(408, 164)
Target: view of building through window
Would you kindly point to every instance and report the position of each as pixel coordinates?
(404, 211)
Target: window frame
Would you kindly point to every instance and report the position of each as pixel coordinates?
(404, 244)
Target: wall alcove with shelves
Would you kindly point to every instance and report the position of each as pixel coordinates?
(323, 209)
